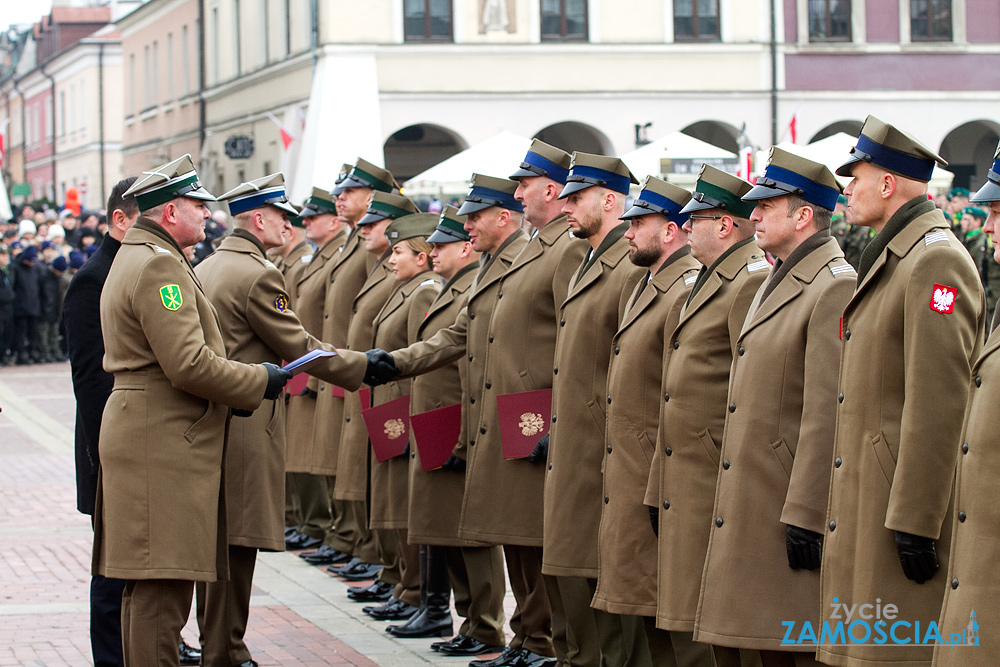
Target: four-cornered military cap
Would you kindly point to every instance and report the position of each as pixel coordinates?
(588, 170)
(658, 196)
(450, 227)
(788, 174)
(320, 201)
(717, 189)
(366, 175)
(892, 149)
(170, 181)
(345, 169)
(387, 205)
(487, 191)
(410, 227)
(990, 191)
(544, 160)
(264, 191)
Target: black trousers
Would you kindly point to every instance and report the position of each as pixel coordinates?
(106, 621)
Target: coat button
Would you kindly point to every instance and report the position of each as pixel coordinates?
(840, 397)
(347, 418)
(954, 583)
(326, 316)
(472, 399)
(562, 321)
(666, 398)
(677, 344)
(833, 526)
(553, 419)
(606, 500)
(413, 455)
(500, 295)
(550, 466)
(354, 309)
(322, 387)
(847, 334)
(482, 429)
(555, 370)
(732, 407)
(472, 443)
(609, 400)
(740, 350)
(470, 357)
(965, 448)
(617, 349)
(726, 464)
(718, 522)
(666, 504)
(979, 383)
(488, 385)
(491, 338)
(961, 517)
(837, 462)
(472, 315)
(609, 449)
(668, 451)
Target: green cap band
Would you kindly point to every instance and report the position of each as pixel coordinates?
(733, 203)
(153, 198)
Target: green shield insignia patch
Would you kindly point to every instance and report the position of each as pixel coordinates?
(170, 295)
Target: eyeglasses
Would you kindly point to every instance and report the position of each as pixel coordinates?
(692, 218)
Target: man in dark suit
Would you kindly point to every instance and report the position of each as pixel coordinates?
(92, 386)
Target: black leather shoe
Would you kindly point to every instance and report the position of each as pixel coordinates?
(248, 663)
(300, 541)
(529, 659)
(506, 657)
(466, 646)
(344, 567)
(361, 573)
(425, 623)
(393, 610)
(436, 646)
(377, 592)
(325, 555)
(289, 530)
(188, 654)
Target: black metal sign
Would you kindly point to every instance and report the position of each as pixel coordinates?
(239, 147)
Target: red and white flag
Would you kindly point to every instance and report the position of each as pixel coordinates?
(745, 164)
(793, 130)
(3, 143)
(286, 136)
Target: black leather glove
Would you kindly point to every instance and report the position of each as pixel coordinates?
(540, 453)
(405, 453)
(804, 547)
(917, 556)
(454, 464)
(654, 519)
(276, 379)
(381, 368)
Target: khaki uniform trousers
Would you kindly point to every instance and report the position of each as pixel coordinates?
(476, 575)
(153, 613)
(532, 619)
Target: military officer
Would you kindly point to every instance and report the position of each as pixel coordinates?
(910, 334)
(694, 407)
(493, 224)
(626, 577)
(475, 571)
(773, 483)
(352, 482)
(249, 295)
(309, 491)
(958, 199)
(980, 246)
(970, 587)
(593, 201)
(349, 544)
(296, 255)
(160, 514)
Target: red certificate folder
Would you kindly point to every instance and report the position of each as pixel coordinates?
(436, 433)
(389, 427)
(524, 418)
(298, 382)
(337, 392)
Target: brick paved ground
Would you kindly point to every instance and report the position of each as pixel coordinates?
(299, 615)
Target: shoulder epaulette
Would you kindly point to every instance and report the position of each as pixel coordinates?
(935, 237)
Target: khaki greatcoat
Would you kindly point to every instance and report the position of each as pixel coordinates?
(904, 378)
(160, 511)
(308, 295)
(975, 542)
(292, 266)
(469, 335)
(394, 326)
(588, 319)
(352, 461)
(348, 274)
(435, 503)
(776, 456)
(246, 289)
(692, 417)
(505, 497)
(626, 575)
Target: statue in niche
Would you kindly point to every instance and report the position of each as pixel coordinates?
(497, 16)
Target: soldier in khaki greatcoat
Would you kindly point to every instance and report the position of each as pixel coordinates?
(626, 576)
(160, 517)
(970, 594)
(693, 409)
(762, 566)
(911, 333)
(249, 296)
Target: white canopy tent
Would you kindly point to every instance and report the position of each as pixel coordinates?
(677, 157)
(498, 156)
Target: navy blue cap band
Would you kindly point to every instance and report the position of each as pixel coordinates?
(544, 167)
(667, 206)
(256, 201)
(479, 194)
(596, 176)
(994, 174)
(797, 184)
(908, 165)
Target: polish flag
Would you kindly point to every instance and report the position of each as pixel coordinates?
(745, 164)
(286, 137)
(793, 129)
(3, 131)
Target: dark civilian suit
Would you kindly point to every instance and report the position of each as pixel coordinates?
(92, 386)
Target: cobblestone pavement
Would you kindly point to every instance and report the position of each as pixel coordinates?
(299, 614)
